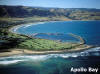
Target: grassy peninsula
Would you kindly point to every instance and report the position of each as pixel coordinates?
(11, 41)
(15, 15)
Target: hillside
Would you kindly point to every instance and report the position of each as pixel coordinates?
(15, 15)
(69, 13)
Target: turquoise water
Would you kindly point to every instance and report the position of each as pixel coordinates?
(57, 63)
(51, 63)
(89, 30)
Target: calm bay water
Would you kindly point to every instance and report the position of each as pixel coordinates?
(89, 30)
(57, 63)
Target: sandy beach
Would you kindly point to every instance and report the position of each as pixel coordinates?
(16, 51)
(25, 51)
(14, 28)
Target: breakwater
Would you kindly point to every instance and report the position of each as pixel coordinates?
(82, 41)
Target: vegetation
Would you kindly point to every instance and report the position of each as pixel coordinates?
(42, 44)
(49, 13)
(21, 41)
(15, 15)
(9, 40)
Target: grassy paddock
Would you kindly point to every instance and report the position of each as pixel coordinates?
(43, 44)
(25, 42)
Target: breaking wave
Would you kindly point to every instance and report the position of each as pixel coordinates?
(28, 25)
(21, 58)
(9, 62)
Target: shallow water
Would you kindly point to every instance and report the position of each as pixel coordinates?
(51, 63)
(89, 30)
(57, 63)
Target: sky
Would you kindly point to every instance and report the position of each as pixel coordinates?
(55, 3)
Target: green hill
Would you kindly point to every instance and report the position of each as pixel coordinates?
(70, 13)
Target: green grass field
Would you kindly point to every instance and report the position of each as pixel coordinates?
(42, 44)
(24, 42)
(21, 41)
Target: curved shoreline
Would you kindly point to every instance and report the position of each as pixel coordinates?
(26, 51)
(30, 52)
(36, 23)
(14, 28)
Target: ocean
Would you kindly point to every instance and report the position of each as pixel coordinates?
(57, 63)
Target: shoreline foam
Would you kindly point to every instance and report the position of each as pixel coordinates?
(36, 23)
(16, 51)
(14, 28)
(26, 51)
